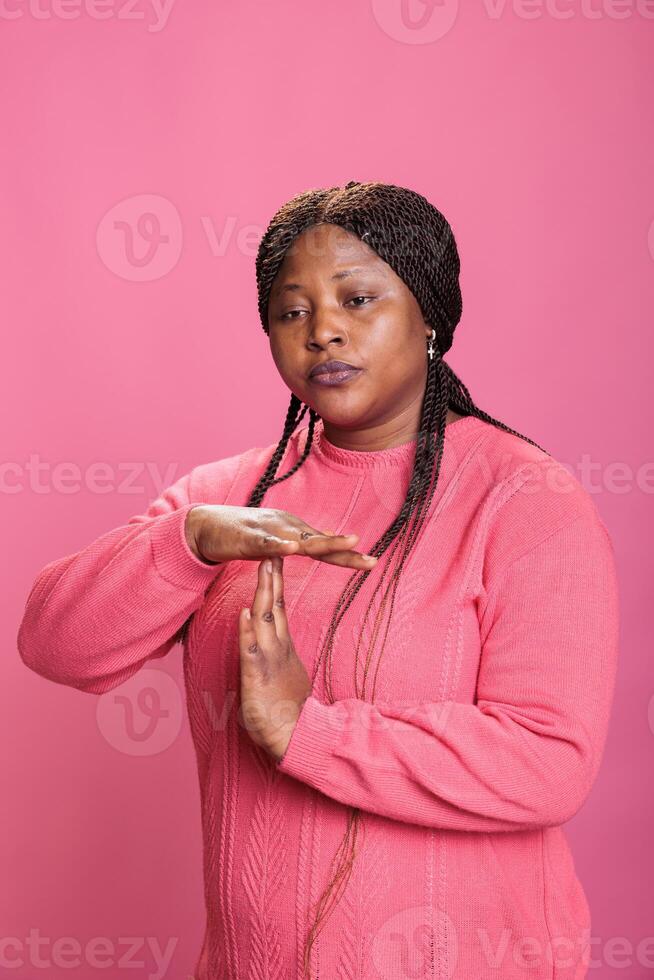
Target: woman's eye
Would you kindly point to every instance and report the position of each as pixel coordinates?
(289, 315)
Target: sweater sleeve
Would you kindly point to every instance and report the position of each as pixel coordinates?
(527, 751)
(93, 618)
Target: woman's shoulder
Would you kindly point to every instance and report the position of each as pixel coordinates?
(210, 482)
(530, 495)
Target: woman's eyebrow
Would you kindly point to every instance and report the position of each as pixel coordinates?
(343, 274)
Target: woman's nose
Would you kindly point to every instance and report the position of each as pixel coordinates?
(326, 327)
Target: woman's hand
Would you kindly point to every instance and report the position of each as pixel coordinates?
(219, 532)
(274, 682)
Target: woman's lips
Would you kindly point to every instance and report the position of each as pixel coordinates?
(330, 378)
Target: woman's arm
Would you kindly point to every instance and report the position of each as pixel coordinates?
(526, 753)
(93, 618)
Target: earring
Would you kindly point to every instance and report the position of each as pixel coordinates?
(430, 349)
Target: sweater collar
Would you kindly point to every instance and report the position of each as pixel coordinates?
(401, 455)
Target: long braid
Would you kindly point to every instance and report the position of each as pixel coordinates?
(461, 401)
(292, 421)
(415, 239)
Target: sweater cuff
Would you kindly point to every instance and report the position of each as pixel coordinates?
(310, 749)
(173, 558)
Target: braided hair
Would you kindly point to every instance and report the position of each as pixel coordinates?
(415, 239)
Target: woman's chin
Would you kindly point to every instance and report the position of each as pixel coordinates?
(344, 417)
(336, 405)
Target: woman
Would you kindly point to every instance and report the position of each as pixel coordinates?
(386, 757)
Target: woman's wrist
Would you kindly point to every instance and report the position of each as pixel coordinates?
(191, 528)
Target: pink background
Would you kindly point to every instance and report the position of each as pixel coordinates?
(529, 126)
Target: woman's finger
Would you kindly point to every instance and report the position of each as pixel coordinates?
(321, 545)
(306, 533)
(272, 544)
(349, 559)
(325, 544)
(337, 550)
(262, 608)
(247, 637)
(279, 608)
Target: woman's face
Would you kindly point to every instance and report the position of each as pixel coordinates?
(335, 298)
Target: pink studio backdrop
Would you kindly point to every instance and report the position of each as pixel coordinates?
(133, 352)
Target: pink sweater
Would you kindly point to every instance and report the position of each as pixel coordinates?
(490, 713)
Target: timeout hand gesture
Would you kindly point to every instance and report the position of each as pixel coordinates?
(274, 681)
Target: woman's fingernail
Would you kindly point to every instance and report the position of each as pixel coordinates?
(268, 565)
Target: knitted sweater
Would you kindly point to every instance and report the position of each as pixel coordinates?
(491, 704)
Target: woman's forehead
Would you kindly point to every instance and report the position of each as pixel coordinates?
(326, 252)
